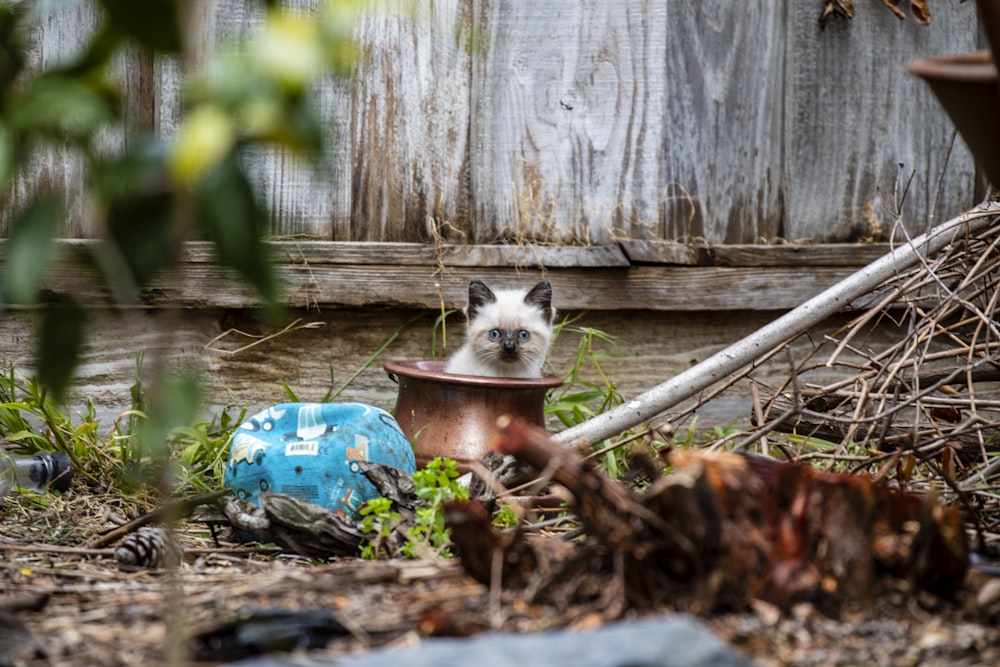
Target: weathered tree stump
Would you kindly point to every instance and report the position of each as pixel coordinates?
(724, 529)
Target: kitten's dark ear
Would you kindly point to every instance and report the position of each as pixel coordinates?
(540, 296)
(479, 296)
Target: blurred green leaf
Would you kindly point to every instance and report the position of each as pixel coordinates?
(338, 22)
(230, 212)
(99, 51)
(174, 402)
(154, 24)
(289, 49)
(142, 227)
(141, 168)
(303, 131)
(31, 248)
(8, 156)
(177, 400)
(13, 45)
(60, 342)
(63, 106)
(204, 139)
(228, 81)
(140, 206)
(291, 124)
(262, 109)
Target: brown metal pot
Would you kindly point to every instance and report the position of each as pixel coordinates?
(968, 88)
(455, 415)
(966, 85)
(989, 19)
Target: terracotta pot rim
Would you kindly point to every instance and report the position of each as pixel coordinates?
(969, 66)
(429, 369)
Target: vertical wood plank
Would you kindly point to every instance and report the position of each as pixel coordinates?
(305, 199)
(570, 122)
(60, 32)
(409, 129)
(301, 200)
(853, 116)
(58, 36)
(722, 149)
(568, 119)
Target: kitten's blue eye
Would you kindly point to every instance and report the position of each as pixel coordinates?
(523, 335)
(494, 334)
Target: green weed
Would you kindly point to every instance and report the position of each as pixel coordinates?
(441, 324)
(427, 534)
(581, 396)
(34, 422)
(201, 449)
(378, 518)
(148, 440)
(505, 517)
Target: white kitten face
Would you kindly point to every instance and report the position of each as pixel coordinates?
(508, 332)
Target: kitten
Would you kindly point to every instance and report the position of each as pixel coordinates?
(507, 332)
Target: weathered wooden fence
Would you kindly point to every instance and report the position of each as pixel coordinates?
(473, 127)
(580, 123)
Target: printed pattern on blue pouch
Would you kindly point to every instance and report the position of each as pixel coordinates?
(311, 451)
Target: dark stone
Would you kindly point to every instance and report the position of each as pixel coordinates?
(668, 641)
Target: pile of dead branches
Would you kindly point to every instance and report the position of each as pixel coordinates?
(922, 411)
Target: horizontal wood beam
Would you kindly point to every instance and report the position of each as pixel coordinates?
(802, 255)
(329, 274)
(319, 253)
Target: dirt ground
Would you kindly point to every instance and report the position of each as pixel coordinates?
(70, 606)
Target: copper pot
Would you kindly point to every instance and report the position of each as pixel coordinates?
(968, 88)
(989, 19)
(966, 85)
(455, 416)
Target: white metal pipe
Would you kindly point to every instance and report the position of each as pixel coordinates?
(699, 377)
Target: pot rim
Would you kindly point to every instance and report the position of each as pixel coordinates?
(430, 369)
(968, 66)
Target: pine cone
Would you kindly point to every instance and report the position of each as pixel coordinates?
(150, 547)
